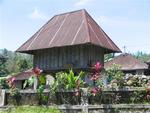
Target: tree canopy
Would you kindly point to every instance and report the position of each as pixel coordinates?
(12, 62)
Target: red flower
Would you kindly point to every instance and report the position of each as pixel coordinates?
(95, 77)
(95, 90)
(97, 66)
(37, 71)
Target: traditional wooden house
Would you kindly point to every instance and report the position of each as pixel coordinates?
(71, 39)
(129, 64)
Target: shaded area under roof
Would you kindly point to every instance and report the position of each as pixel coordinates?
(72, 28)
(127, 62)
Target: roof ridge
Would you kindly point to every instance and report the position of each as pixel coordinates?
(104, 34)
(70, 12)
(86, 24)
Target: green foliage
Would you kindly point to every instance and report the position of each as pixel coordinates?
(43, 99)
(22, 64)
(108, 57)
(3, 83)
(42, 79)
(29, 82)
(71, 80)
(40, 89)
(59, 82)
(142, 56)
(3, 59)
(14, 92)
(11, 62)
(31, 109)
(67, 80)
(114, 73)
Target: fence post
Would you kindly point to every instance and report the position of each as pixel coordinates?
(2, 97)
(85, 109)
(84, 100)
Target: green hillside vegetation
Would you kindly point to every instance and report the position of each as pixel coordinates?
(12, 62)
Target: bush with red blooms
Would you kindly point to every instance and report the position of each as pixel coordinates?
(14, 92)
(95, 90)
(94, 77)
(96, 72)
(37, 71)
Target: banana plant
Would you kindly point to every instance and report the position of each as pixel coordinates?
(73, 81)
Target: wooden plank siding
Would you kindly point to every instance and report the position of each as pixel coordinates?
(81, 56)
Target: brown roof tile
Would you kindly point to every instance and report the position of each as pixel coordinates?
(23, 75)
(68, 29)
(127, 62)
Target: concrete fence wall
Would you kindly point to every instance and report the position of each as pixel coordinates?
(30, 97)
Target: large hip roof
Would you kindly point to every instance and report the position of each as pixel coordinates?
(72, 28)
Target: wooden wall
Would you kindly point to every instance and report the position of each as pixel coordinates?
(75, 56)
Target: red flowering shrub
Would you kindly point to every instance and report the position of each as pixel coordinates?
(94, 77)
(95, 90)
(97, 66)
(37, 71)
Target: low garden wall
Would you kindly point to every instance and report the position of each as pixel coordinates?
(120, 96)
(108, 101)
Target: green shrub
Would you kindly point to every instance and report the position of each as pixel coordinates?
(3, 83)
(115, 75)
(68, 81)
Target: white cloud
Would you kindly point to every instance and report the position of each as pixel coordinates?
(38, 15)
(83, 2)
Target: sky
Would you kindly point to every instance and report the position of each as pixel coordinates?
(127, 22)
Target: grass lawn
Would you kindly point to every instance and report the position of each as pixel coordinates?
(31, 109)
